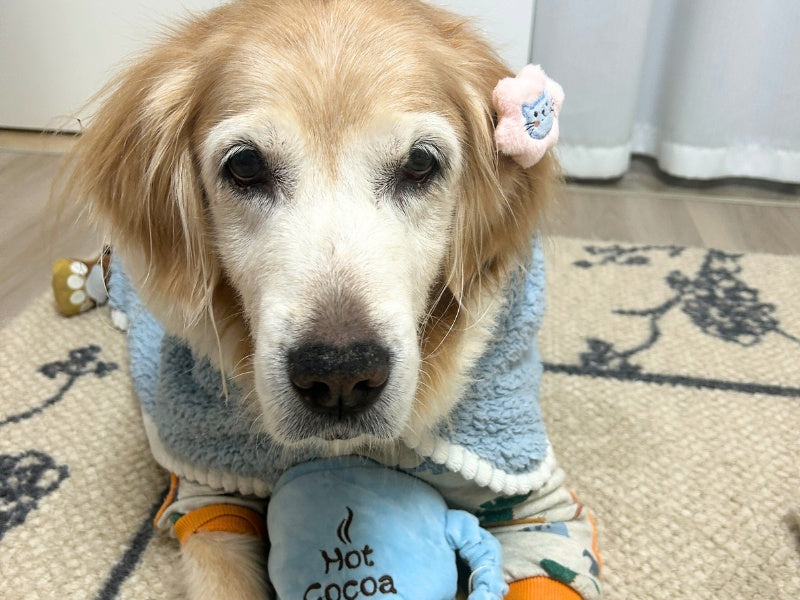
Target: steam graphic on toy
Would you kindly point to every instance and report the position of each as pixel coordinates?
(353, 562)
(343, 531)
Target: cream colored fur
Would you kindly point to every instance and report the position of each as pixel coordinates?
(334, 93)
(220, 565)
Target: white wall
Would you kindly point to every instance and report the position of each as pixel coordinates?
(507, 23)
(54, 54)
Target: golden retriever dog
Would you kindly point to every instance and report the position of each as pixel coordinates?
(298, 183)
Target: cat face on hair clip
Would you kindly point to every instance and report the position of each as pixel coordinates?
(527, 115)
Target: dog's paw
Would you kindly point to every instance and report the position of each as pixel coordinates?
(218, 565)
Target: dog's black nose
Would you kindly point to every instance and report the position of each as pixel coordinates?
(339, 380)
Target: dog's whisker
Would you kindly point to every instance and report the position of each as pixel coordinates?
(242, 375)
(453, 321)
(245, 359)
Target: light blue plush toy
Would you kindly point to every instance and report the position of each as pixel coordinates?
(349, 528)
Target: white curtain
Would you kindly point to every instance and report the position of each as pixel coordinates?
(710, 88)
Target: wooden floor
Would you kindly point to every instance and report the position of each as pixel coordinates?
(648, 206)
(645, 206)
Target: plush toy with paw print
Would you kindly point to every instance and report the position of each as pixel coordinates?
(80, 285)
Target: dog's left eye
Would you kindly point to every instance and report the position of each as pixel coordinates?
(420, 165)
(247, 169)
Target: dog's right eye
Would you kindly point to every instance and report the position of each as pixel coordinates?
(246, 168)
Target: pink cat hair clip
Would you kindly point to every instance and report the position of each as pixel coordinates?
(527, 115)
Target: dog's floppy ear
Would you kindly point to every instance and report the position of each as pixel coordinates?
(501, 202)
(498, 211)
(134, 165)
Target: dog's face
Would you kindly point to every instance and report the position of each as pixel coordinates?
(309, 192)
(334, 249)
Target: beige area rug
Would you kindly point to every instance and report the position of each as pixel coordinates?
(672, 396)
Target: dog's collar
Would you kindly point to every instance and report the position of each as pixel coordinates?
(494, 436)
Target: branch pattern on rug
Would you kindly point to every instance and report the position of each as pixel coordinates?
(28, 477)
(81, 362)
(24, 480)
(716, 299)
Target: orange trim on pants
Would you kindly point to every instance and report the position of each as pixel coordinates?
(540, 588)
(594, 541)
(231, 518)
(173, 492)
